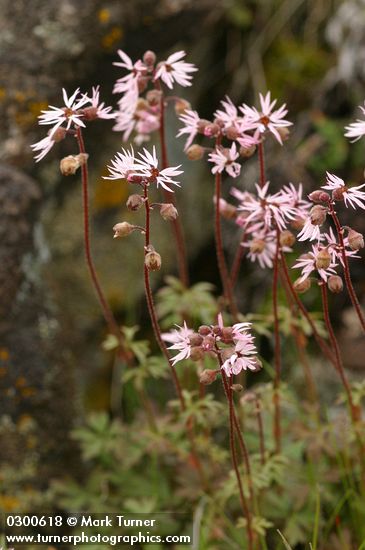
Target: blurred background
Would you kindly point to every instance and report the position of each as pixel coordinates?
(53, 370)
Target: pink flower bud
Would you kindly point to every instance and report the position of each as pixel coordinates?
(247, 152)
(149, 58)
(195, 339)
(232, 132)
(337, 194)
(181, 105)
(284, 133)
(134, 202)
(195, 152)
(168, 212)
(287, 238)
(152, 261)
(211, 130)
(302, 286)
(237, 388)
(69, 165)
(355, 239)
(318, 214)
(196, 353)
(319, 196)
(207, 377)
(204, 330)
(335, 284)
(123, 229)
(154, 97)
(323, 259)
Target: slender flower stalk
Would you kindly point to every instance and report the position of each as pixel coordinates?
(235, 269)
(262, 163)
(176, 224)
(346, 267)
(107, 312)
(222, 265)
(320, 341)
(277, 348)
(232, 426)
(261, 430)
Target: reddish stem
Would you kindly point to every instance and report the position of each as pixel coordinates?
(170, 197)
(237, 260)
(261, 430)
(262, 164)
(277, 350)
(222, 266)
(232, 427)
(321, 343)
(107, 312)
(346, 268)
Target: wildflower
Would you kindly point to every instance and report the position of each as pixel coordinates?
(267, 118)
(147, 167)
(174, 70)
(224, 160)
(229, 115)
(334, 247)
(309, 231)
(351, 195)
(70, 113)
(122, 165)
(312, 261)
(128, 84)
(244, 353)
(97, 109)
(44, 146)
(191, 121)
(180, 340)
(356, 130)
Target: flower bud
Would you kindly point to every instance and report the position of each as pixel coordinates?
(211, 129)
(323, 259)
(237, 388)
(149, 58)
(195, 152)
(204, 330)
(153, 97)
(195, 339)
(257, 246)
(287, 238)
(335, 284)
(202, 125)
(318, 214)
(227, 210)
(319, 196)
(207, 377)
(58, 135)
(168, 212)
(302, 286)
(90, 113)
(209, 341)
(232, 132)
(337, 194)
(123, 229)
(134, 178)
(284, 133)
(181, 105)
(247, 152)
(134, 202)
(227, 335)
(152, 261)
(297, 223)
(69, 165)
(355, 239)
(196, 353)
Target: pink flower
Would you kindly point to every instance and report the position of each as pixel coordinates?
(267, 118)
(180, 340)
(229, 114)
(44, 146)
(191, 120)
(351, 195)
(356, 130)
(308, 263)
(147, 167)
(125, 122)
(224, 160)
(122, 165)
(334, 247)
(174, 70)
(244, 356)
(70, 113)
(128, 84)
(262, 248)
(100, 110)
(269, 210)
(309, 232)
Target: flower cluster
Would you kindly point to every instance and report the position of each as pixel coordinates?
(233, 345)
(243, 126)
(139, 114)
(77, 109)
